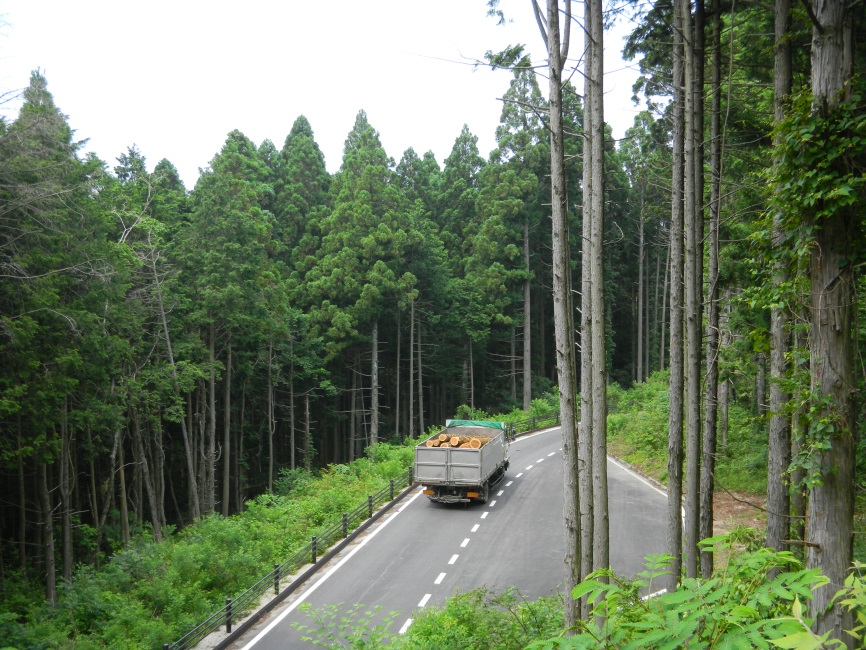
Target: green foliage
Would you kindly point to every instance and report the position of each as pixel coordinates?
(353, 628)
(151, 593)
(483, 620)
(744, 605)
(637, 426)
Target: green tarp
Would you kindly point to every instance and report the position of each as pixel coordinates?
(475, 423)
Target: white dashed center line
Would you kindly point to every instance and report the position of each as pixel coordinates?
(500, 493)
(475, 528)
(453, 559)
(529, 467)
(521, 473)
(551, 454)
(509, 483)
(492, 503)
(484, 515)
(540, 460)
(406, 626)
(464, 543)
(424, 600)
(439, 579)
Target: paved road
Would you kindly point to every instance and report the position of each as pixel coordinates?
(423, 552)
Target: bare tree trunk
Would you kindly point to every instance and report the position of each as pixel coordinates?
(831, 501)
(640, 287)
(708, 460)
(512, 361)
(292, 425)
(557, 49)
(374, 387)
(210, 468)
(601, 531)
(471, 376)
(779, 444)
(144, 468)
(397, 433)
(227, 430)
(124, 508)
(188, 448)
(48, 536)
(353, 408)
(308, 445)
(65, 485)
(693, 304)
(412, 370)
(271, 418)
(584, 442)
(527, 324)
(420, 385)
(664, 308)
(675, 418)
(22, 502)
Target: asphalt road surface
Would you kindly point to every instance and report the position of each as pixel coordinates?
(422, 552)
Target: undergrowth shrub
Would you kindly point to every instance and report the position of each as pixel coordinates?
(151, 593)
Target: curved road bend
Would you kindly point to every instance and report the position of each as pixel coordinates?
(423, 552)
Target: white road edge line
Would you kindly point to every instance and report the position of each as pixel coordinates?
(406, 625)
(261, 635)
(638, 476)
(423, 601)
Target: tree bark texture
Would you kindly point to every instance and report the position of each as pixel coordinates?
(779, 444)
(675, 416)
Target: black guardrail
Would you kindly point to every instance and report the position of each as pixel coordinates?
(338, 534)
(533, 423)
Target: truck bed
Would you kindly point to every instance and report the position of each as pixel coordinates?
(455, 466)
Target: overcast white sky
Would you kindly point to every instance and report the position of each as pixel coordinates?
(174, 77)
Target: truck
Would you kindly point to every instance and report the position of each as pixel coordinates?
(460, 463)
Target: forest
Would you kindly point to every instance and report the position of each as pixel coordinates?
(169, 353)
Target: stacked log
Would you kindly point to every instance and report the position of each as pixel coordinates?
(444, 440)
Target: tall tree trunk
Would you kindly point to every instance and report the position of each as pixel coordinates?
(693, 282)
(66, 478)
(640, 294)
(601, 530)
(22, 502)
(557, 49)
(412, 370)
(584, 443)
(292, 427)
(227, 430)
(512, 361)
(308, 440)
(663, 307)
(374, 387)
(210, 468)
(271, 418)
(397, 432)
(144, 468)
(122, 501)
(675, 417)
(527, 324)
(708, 459)
(353, 408)
(420, 385)
(192, 486)
(779, 444)
(48, 536)
(831, 503)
